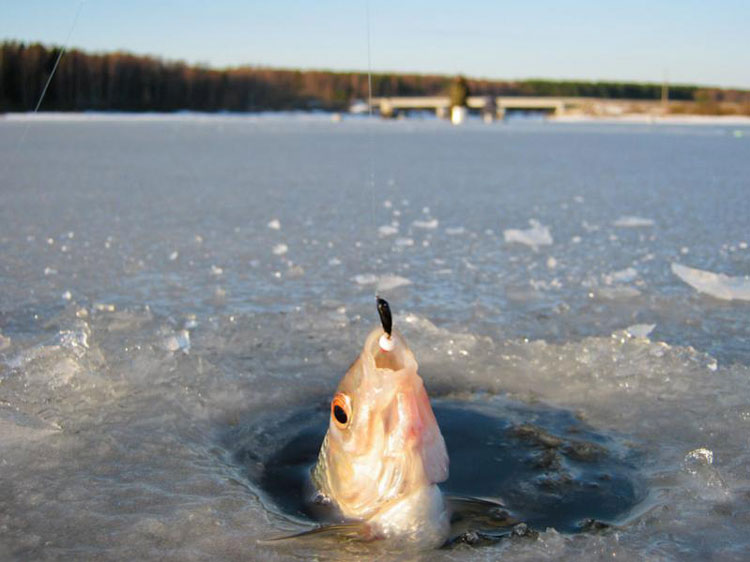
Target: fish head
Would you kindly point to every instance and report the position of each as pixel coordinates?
(383, 441)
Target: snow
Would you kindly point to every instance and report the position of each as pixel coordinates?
(717, 285)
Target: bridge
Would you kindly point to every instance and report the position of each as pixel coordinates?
(489, 106)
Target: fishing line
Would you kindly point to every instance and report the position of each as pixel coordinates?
(371, 170)
(64, 49)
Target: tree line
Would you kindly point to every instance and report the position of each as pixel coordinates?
(121, 81)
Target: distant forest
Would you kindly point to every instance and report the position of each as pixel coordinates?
(124, 82)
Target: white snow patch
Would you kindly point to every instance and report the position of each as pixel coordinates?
(537, 235)
(280, 249)
(630, 221)
(717, 285)
(274, 224)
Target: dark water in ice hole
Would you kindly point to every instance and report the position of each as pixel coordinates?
(547, 467)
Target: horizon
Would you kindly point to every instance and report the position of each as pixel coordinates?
(684, 43)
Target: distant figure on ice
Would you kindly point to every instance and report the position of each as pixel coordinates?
(459, 95)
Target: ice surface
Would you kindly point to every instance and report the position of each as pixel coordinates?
(537, 235)
(717, 285)
(113, 403)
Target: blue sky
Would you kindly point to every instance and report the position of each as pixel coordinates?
(705, 42)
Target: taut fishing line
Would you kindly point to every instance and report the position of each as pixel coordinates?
(371, 170)
(63, 50)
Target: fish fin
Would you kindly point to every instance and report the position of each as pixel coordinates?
(470, 512)
(358, 531)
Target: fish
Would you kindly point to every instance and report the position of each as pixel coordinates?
(383, 456)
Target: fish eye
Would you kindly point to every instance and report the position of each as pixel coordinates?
(341, 410)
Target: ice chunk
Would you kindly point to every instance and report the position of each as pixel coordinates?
(698, 458)
(622, 276)
(216, 270)
(174, 255)
(274, 224)
(616, 293)
(404, 242)
(428, 224)
(295, 271)
(455, 230)
(717, 285)
(630, 221)
(179, 341)
(383, 282)
(67, 295)
(365, 279)
(280, 249)
(389, 282)
(537, 235)
(640, 330)
(334, 262)
(387, 230)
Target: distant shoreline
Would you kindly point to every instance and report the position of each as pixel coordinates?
(326, 116)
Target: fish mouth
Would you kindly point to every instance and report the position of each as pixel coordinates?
(396, 359)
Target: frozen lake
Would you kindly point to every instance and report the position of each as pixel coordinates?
(169, 282)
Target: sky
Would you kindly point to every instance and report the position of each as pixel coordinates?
(690, 42)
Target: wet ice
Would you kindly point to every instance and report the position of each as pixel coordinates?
(122, 369)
